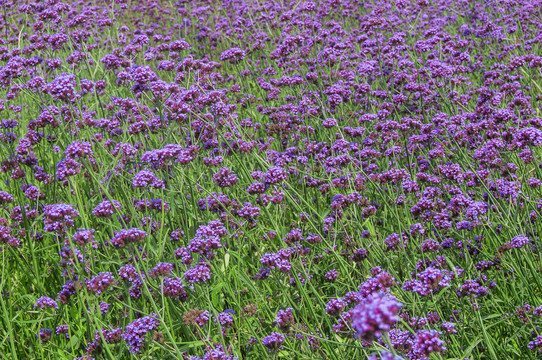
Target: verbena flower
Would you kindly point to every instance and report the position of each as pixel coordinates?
(135, 332)
(374, 315)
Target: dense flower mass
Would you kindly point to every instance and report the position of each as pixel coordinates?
(320, 179)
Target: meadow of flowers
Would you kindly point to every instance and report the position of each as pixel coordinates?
(270, 179)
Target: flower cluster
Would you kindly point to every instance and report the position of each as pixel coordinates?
(283, 171)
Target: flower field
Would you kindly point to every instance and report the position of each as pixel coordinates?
(280, 179)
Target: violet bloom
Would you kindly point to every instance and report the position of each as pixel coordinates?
(45, 302)
(62, 88)
(101, 282)
(112, 336)
(335, 306)
(161, 269)
(273, 341)
(58, 217)
(6, 197)
(233, 55)
(248, 211)
(434, 278)
(44, 335)
(127, 236)
(67, 291)
(331, 275)
(6, 236)
(285, 318)
(107, 208)
(184, 255)
(375, 314)
(536, 344)
(63, 329)
(449, 327)
(218, 354)
(153, 204)
(225, 177)
(79, 149)
(202, 318)
(84, 236)
(142, 74)
(128, 272)
(329, 123)
(225, 318)
(519, 241)
(203, 244)
(104, 307)
(173, 288)
(275, 175)
(427, 342)
(146, 178)
(359, 254)
(198, 273)
(135, 332)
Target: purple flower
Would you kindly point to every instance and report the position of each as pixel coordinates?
(6, 236)
(203, 244)
(161, 269)
(112, 336)
(198, 273)
(202, 318)
(472, 287)
(375, 314)
(84, 236)
(434, 278)
(449, 327)
(536, 344)
(104, 307)
(225, 177)
(127, 236)
(107, 208)
(58, 217)
(146, 178)
(6, 197)
(519, 241)
(142, 74)
(248, 211)
(274, 341)
(285, 318)
(44, 335)
(257, 188)
(68, 290)
(45, 302)
(135, 332)
(101, 282)
(331, 275)
(427, 342)
(79, 149)
(275, 175)
(111, 62)
(233, 55)
(63, 329)
(184, 255)
(154, 204)
(329, 123)
(173, 288)
(335, 306)
(225, 319)
(63, 88)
